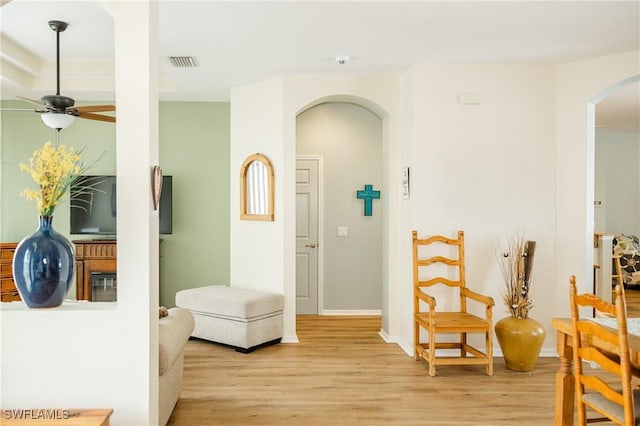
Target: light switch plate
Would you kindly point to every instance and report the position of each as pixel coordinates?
(342, 231)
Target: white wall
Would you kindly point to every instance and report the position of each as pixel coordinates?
(523, 161)
(579, 86)
(254, 104)
(515, 163)
(81, 356)
(257, 247)
(486, 169)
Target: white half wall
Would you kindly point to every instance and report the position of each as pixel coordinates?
(83, 355)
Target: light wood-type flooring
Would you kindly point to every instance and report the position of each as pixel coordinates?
(343, 373)
(632, 296)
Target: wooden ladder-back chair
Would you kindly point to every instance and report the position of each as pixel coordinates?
(459, 322)
(593, 342)
(617, 271)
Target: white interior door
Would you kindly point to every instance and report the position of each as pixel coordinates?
(307, 243)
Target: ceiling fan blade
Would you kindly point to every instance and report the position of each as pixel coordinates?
(95, 108)
(99, 117)
(31, 101)
(39, 111)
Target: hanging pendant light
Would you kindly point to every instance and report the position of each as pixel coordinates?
(56, 120)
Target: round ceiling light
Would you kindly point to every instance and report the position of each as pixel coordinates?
(57, 120)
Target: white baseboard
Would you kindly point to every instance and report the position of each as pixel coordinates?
(385, 336)
(398, 341)
(497, 352)
(329, 312)
(290, 339)
(408, 348)
(549, 353)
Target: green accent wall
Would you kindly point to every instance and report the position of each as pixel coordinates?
(194, 149)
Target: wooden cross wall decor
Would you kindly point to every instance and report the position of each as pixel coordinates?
(368, 195)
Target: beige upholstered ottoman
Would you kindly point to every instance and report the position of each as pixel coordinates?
(243, 318)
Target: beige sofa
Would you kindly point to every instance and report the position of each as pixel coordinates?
(174, 331)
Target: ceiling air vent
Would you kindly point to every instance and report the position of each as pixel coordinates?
(183, 61)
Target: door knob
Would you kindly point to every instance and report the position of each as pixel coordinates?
(312, 245)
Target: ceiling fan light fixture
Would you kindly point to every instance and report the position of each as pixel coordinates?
(57, 120)
(57, 111)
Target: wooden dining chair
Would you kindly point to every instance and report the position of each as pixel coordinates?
(607, 389)
(617, 271)
(431, 268)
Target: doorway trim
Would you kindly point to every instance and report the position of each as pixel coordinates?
(320, 161)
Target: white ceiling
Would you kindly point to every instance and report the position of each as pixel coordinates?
(236, 42)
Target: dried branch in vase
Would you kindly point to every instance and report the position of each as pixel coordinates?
(516, 264)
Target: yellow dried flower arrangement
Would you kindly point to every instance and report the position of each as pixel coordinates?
(53, 169)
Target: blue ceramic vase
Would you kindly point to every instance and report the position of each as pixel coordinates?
(43, 266)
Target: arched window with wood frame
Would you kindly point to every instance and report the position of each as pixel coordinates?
(257, 189)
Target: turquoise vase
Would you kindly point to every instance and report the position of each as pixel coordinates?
(43, 266)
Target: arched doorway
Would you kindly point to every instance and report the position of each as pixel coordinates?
(339, 147)
(614, 179)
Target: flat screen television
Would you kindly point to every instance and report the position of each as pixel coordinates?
(93, 205)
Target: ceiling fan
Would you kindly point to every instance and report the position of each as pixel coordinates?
(57, 111)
